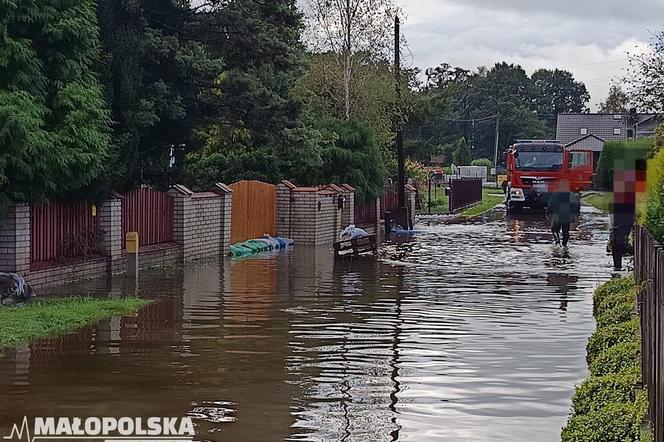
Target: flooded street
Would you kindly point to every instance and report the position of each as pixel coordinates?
(472, 332)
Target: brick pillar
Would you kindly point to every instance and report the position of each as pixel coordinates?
(110, 224)
(182, 218)
(285, 209)
(348, 212)
(226, 194)
(15, 239)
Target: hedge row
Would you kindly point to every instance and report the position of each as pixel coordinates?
(606, 407)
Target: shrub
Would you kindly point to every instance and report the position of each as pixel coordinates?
(462, 153)
(654, 213)
(483, 162)
(620, 358)
(613, 287)
(607, 407)
(604, 174)
(616, 150)
(622, 309)
(621, 293)
(641, 409)
(597, 392)
(606, 337)
(613, 423)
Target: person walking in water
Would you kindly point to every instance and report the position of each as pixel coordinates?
(629, 180)
(562, 211)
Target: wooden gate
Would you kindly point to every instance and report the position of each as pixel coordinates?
(254, 211)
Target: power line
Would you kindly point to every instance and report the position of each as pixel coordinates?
(470, 120)
(598, 63)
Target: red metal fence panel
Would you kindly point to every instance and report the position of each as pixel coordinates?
(63, 229)
(649, 256)
(150, 213)
(365, 213)
(389, 201)
(464, 192)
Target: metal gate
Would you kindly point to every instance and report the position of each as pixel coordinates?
(464, 192)
(254, 210)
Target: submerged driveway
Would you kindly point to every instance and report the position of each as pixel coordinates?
(471, 332)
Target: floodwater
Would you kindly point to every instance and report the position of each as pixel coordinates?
(470, 332)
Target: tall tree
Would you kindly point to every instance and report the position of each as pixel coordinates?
(154, 73)
(351, 155)
(374, 97)
(460, 103)
(555, 92)
(645, 76)
(54, 126)
(616, 103)
(260, 129)
(354, 31)
(462, 155)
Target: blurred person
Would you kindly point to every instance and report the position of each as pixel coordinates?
(629, 178)
(562, 211)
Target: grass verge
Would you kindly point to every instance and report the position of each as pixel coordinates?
(599, 201)
(47, 318)
(606, 407)
(491, 198)
(440, 203)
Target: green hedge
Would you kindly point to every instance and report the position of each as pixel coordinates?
(615, 422)
(606, 337)
(623, 357)
(597, 391)
(654, 213)
(606, 407)
(612, 154)
(615, 290)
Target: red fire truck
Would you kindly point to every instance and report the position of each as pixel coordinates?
(536, 167)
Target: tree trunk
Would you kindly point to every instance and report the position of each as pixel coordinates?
(348, 60)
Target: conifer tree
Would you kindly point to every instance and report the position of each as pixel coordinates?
(260, 131)
(54, 125)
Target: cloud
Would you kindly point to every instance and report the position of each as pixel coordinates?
(589, 38)
(646, 12)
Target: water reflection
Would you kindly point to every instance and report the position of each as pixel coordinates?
(468, 332)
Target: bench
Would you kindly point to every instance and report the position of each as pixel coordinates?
(354, 248)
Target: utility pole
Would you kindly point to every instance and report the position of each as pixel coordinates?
(402, 216)
(495, 158)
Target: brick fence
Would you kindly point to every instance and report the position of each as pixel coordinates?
(314, 215)
(201, 228)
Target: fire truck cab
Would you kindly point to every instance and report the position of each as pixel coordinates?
(536, 167)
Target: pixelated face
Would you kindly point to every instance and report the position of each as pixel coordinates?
(564, 186)
(629, 176)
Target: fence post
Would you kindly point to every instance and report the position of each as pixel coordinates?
(377, 217)
(132, 242)
(226, 194)
(15, 239)
(110, 224)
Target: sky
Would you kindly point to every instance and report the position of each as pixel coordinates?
(590, 38)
